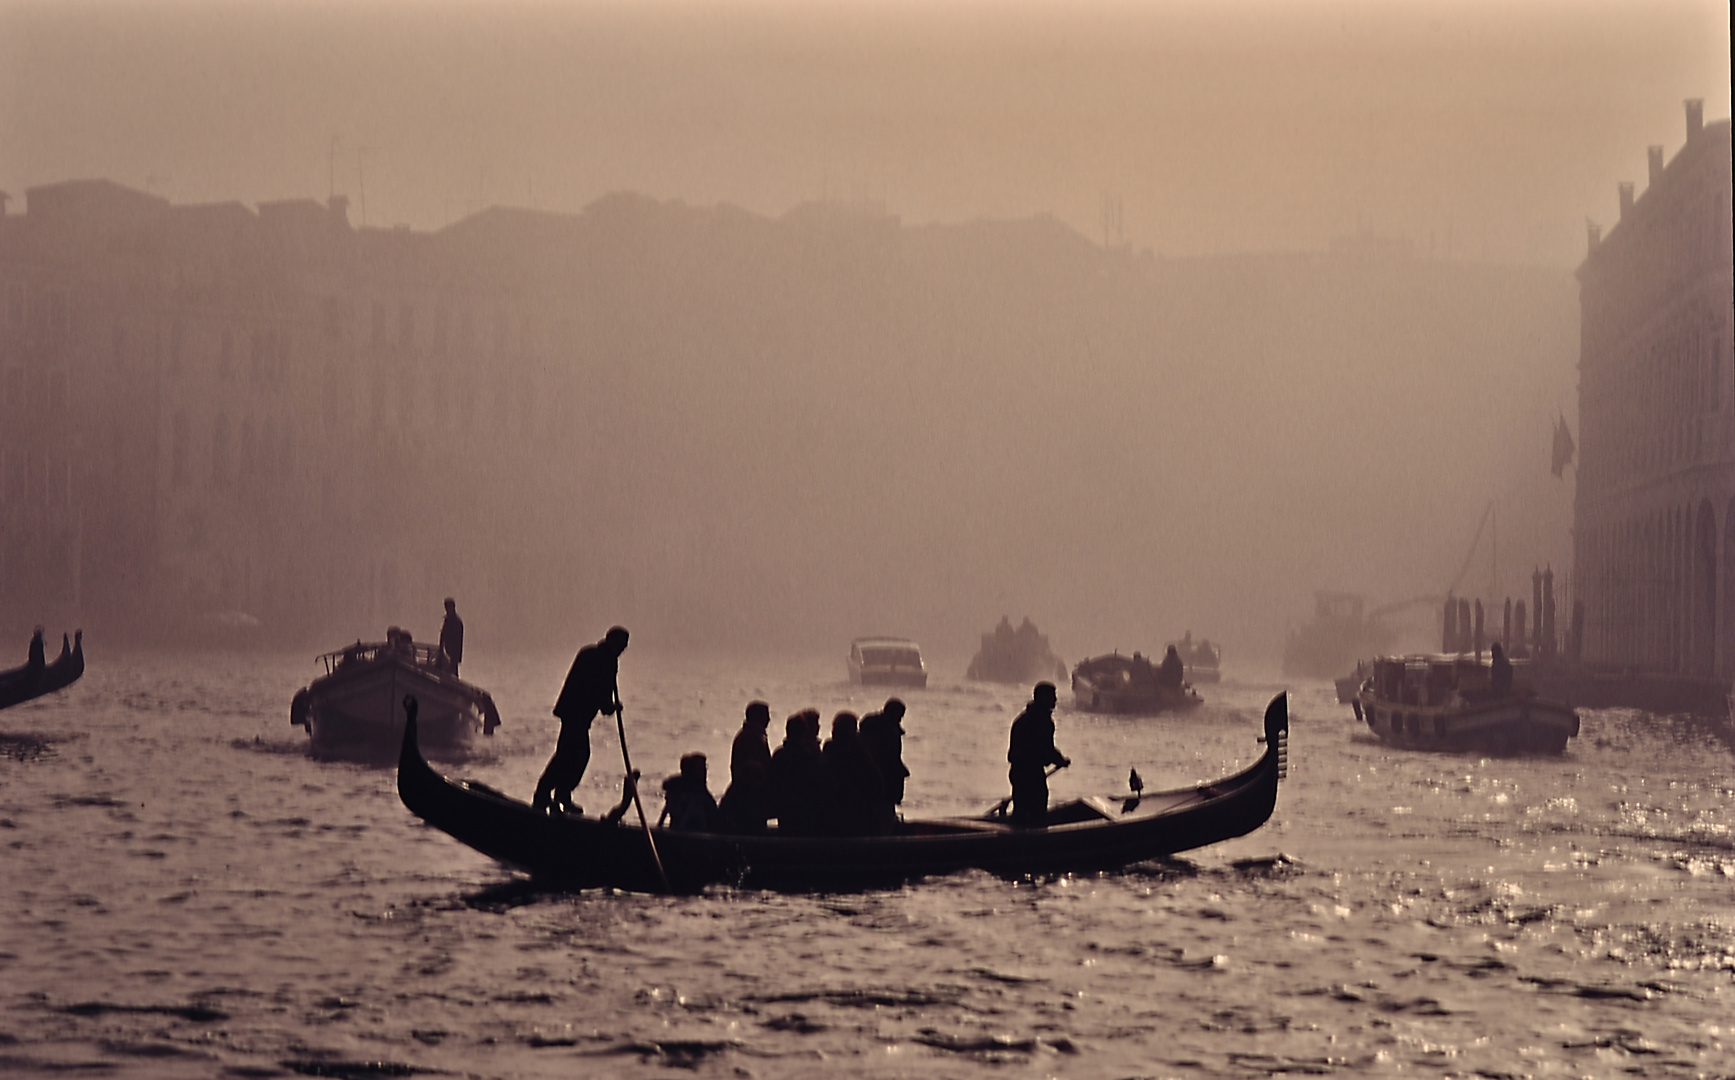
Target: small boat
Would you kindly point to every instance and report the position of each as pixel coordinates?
(1348, 686)
(21, 684)
(1446, 702)
(1015, 656)
(577, 852)
(1128, 684)
(353, 711)
(887, 661)
(1202, 659)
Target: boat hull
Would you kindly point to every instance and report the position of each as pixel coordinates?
(571, 851)
(1118, 684)
(18, 685)
(1515, 724)
(356, 713)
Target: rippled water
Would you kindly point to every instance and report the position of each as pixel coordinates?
(186, 893)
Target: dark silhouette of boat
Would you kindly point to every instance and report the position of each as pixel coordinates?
(573, 851)
(22, 684)
(1015, 656)
(1447, 703)
(1128, 684)
(352, 710)
(1202, 659)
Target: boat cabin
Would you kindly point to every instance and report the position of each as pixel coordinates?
(1435, 679)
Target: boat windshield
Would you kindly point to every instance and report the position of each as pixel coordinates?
(882, 656)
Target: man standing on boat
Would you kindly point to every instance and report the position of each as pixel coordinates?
(452, 636)
(589, 689)
(1030, 754)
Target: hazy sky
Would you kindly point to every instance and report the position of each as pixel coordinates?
(1481, 129)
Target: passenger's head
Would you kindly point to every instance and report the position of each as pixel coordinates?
(451, 605)
(843, 724)
(758, 714)
(810, 722)
(1496, 651)
(894, 708)
(693, 767)
(616, 639)
(796, 726)
(1170, 653)
(1044, 694)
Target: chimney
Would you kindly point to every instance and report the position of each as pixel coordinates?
(1626, 198)
(1655, 154)
(1695, 117)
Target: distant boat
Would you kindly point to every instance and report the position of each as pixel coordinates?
(1339, 635)
(1202, 659)
(1095, 833)
(22, 684)
(887, 661)
(355, 710)
(1127, 684)
(1015, 656)
(1445, 702)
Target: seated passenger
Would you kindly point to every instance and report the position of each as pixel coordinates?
(852, 782)
(795, 782)
(687, 802)
(613, 817)
(1173, 672)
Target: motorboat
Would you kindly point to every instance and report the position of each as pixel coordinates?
(1020, 656)
(887, 661)
(354, 711)
(1091, 834)
(1128, 684)
(36, 677)
(1448, 702)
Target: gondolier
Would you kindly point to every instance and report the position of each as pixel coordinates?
(1031, 751)
(589, 689)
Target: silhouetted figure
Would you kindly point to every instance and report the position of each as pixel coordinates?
(589, 689)
(687, 801)
(1031, 751)
(452, 636)
(1143, 672)
(1173, 672)
(628, 784)
(1499, 671)
(746, 804)
(852, 783)
(37, 660)
(796, 784)
(883, 735)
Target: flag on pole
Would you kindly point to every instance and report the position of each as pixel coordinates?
(1563, 446)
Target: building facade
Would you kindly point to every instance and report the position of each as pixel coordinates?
(1654, 535)
(215, 419)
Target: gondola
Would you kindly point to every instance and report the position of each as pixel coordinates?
(21, 684)
(576, 852)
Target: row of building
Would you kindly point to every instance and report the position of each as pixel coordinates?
(1654, 517)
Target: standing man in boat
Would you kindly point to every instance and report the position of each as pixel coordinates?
(452, 636)
(883, 736)
(1031, 752)
(589, 689)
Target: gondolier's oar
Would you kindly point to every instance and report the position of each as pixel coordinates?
(644, 823)
(1000, 807)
